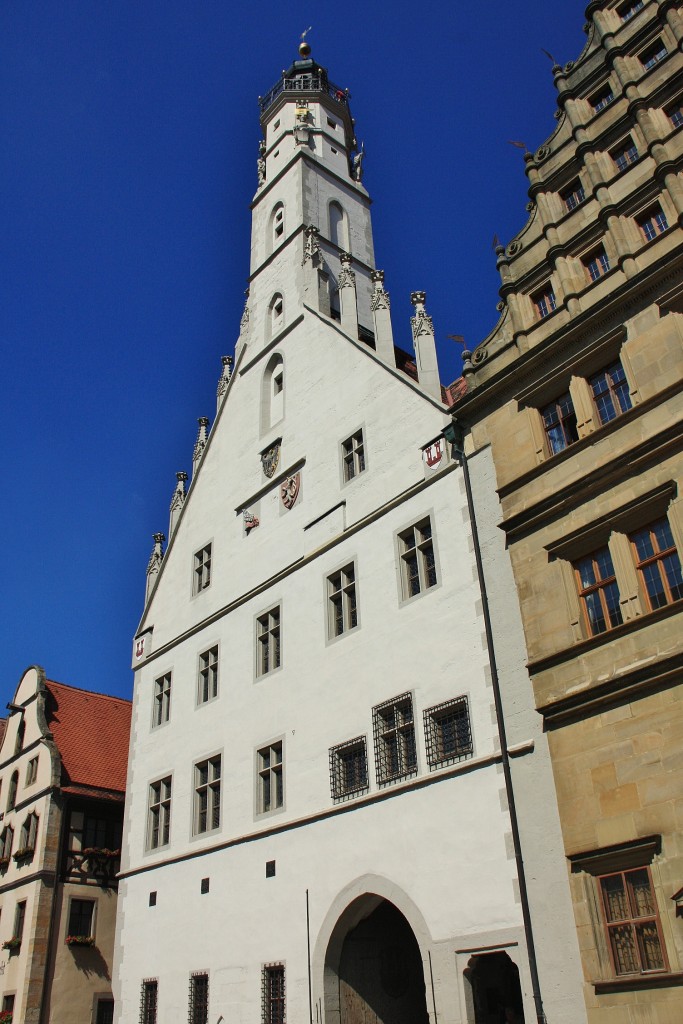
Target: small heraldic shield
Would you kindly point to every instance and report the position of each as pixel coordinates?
(140, 647)
(270, 459)
(289, 490)
(433, 454)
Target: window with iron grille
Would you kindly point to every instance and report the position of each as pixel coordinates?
(341, 601)
(653, 223)
(559, 423)
(624, 154)
(349, 769)
(596, 263)
(573, 195)
(632, 922)
(159, 820)
(207, 683)
(207, 795)
(598, 591)
(601, 99)
(273, 994)
(418, 563)
(448, 732)
(658, 563)
(675, 113)
(268, 642)
(202, 570)
(81, 917)
(353, 455)
(105, 1011)
(199, 999)
(148, 1000)
(648, 58)
(270, 778)
(162, 700)
(394, 732)
(32, 771)
(610, 392)
(629, 9)
(544, 302)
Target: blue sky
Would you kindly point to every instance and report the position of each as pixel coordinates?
(130, 134)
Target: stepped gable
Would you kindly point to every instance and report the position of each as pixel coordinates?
(91, 731)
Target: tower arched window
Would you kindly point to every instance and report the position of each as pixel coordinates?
(13, 787)
(273, 392)
(277, 226)
(276, 315)
(19, 742)
(339, 226)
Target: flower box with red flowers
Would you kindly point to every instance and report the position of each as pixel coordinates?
(6, 1016)
(80, 940)
(12, 944)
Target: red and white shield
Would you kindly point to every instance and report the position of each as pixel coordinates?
(433, 454)
(140, 648)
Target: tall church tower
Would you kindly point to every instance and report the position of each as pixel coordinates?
(317, 823)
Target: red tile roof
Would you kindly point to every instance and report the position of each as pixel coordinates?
(91, 731)
(455, 391)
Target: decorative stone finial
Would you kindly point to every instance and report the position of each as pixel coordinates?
(202, 435)
(311, 246)
(347, 276)
(421, 322)
(380, 297)
(154, 564)
(244, 322)
(224, 378)
(177, 502)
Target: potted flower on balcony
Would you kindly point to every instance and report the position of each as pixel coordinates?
(6, 1016)
(80, 940)
(24, 853)
(12, 944)
(4, 864)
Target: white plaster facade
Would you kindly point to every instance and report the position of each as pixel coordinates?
(435, 843)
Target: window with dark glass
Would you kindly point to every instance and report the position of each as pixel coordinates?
(159, 819)
(658, 563)
(654, 53)
(632, 922)
(349, 768)
(610, 392)
(273, 994)
(596, 263)
(341, 597)
(199, 999)
(12, 794)
(207, 687)
(148, 1001)
(353, 455)
(447, 732)
(162, 699)
(394, 731)
(573, 195)
(598, 591)
(629, 9)
(81, 917)
(268, 642)
(559, 423)
(601, 99)
(418, 564)
(675, 113)
(653, 223)
(270, 778)
(624, 154)
(201, 578)
(207, 795)
(544, 302)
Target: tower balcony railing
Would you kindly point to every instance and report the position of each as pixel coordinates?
(303, 83)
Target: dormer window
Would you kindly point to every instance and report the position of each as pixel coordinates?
(648, 58)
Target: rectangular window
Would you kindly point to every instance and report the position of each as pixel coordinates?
(559, 423)
(105, 1011)
(202, 570)
(207, 684)
(19, 918)
(596, 263)
(632, 922)
(629, 9)
(394, 729)
(418, 564)
(159, 819)
(8, 1004)
(268, 642)
(149, 995)
(658, 563)
(341, 598)
(653, 223)
(349, 768)
(648, 58)
(207, 795)
(32, 771)
(353, 455)
(448, 733)
(573, 195)
(81, 918)
(162, 699)
(544, 301)
(270, 778)
(624, 154)
(598, 591)
(273, 994)
(675, 113)
(199, 999)
(601, 99)
(610, 392)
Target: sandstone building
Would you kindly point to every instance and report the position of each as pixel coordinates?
(338, 805)
(577, 395)
(62, 781)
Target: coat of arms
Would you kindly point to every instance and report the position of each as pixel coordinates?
(140, 647)
(433, 454)
(270, 459)
(289, 490)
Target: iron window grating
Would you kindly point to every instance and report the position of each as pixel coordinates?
(273, 994)
(349, 769)
(198, 1003)
(148, 1001)
(394, 736)
(448, 732)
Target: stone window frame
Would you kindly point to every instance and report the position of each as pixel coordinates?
(342, 570)
(400, 540)
(202, 568)
(652, 223)
(164, 803)
(351, 452)
(273, 769)
(31, 771)
(340, 789)
(653, 54)
(624, 154)
(213, 788)
(210, 670)
(614, 529)
(544, 301)
(162, 690)
(259, 620)
(28, 834)
(437, 754)
(402, 729)
(573, 195)
(602, 98)
(91, 931)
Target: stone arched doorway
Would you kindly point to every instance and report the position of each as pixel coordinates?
(373, 969)
(495, 993)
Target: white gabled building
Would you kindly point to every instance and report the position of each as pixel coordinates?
(317, 821)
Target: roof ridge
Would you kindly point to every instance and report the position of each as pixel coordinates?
(92, 693)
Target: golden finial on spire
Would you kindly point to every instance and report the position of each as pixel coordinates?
(304, 47)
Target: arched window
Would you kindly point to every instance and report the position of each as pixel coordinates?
(21, 730)
(277, 226)
(339, 228)
(276, 316)
(273, 392)
(12, 795)
(29, 832)
(6, 840)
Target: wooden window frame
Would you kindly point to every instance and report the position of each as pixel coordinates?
(632, 921)
(616, 386)
(599, 587)
(657, 558)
